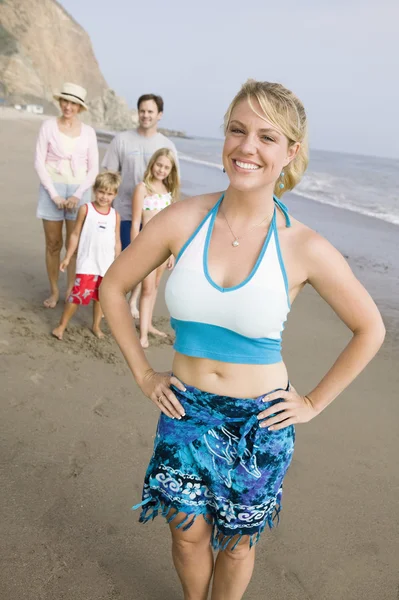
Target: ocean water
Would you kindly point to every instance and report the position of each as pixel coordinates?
(364, 184)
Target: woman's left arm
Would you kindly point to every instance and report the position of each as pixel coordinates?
(330, 275)
(92, 164)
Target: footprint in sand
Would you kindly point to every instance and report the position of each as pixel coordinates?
(36, 378)
(295, 584)
(101, 409)
(78, 458)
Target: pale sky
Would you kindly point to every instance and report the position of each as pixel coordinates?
(341, 57)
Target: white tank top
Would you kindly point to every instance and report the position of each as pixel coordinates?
(96, 251)
(240, 324)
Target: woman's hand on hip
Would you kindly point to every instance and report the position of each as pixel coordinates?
(71, 203)
(59, 202)
(292, 409)
(156, 386)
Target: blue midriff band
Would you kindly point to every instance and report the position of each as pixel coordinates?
(201, 340)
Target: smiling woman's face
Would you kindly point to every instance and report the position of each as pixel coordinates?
(69, 109)
(255, 151)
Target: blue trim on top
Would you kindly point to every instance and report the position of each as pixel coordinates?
(192, 236)
(256, 266)
(282, 265)
(201, 340)
(284, 210)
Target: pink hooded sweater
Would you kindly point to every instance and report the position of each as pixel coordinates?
(49, 150)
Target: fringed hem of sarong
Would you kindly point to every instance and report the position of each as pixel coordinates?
(154, 505)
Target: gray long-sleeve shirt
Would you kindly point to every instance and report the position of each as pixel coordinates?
(129, 153)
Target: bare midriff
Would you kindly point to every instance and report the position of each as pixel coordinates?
(229, 379)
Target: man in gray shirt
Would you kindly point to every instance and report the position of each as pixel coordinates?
(130, 152)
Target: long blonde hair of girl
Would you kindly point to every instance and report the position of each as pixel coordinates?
(172, 181)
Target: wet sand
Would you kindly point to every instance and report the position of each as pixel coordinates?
(76, 435)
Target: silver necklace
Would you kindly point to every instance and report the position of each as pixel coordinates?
(235, 241)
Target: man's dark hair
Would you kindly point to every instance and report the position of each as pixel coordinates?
(157, 99)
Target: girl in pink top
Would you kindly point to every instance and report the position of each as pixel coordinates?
(67, 164)
(158, 190)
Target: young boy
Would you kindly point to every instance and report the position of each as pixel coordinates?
(97, 237)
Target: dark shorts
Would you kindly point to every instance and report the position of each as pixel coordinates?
(85, 289)
(126, 227)
(217, 462)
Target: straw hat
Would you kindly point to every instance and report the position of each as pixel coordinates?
(73, 93)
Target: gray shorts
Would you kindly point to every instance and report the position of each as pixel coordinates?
(47, 209)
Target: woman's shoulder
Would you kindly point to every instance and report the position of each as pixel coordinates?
(192, 208)
(88, 130)
(49, 124)
(198, 205)
(308, 243)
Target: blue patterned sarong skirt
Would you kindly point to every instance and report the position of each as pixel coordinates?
(217, 462)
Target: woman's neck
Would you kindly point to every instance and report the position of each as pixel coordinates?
(248, 205)
(69, 123)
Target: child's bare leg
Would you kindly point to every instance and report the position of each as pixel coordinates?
(71, 269)
(97, 316)
(134, 296)
(53, 236)
(69, 310)
(159, 272)
(146, 304)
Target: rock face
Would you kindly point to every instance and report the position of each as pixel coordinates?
(112, 112)
(42, 46)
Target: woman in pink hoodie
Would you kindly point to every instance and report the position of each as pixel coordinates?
(67, 164)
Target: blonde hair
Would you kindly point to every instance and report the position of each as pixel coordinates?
(286, 112)
(172, 181)
(108, 180)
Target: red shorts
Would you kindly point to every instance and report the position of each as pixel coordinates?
(85, 289)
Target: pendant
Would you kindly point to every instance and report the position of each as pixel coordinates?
(235, 243)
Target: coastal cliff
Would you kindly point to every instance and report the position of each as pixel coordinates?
(42, 46)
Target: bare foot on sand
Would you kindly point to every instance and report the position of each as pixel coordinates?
(144, 342)
(51, 301)
(98, 333)
(156, 331)
(58, 332)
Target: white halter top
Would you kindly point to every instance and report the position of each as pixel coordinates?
(240, 324)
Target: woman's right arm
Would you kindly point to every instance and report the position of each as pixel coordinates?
(137, 209)
(147, 252)
(40, 161)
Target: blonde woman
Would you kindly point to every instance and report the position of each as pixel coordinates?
(158, 190)
(226, 435)
(66, 162)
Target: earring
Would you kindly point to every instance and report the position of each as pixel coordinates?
(224, 170)
(281, 184)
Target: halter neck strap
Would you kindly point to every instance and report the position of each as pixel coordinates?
(284, 210)
(278, 203)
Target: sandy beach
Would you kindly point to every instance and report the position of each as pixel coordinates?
(76, 435)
